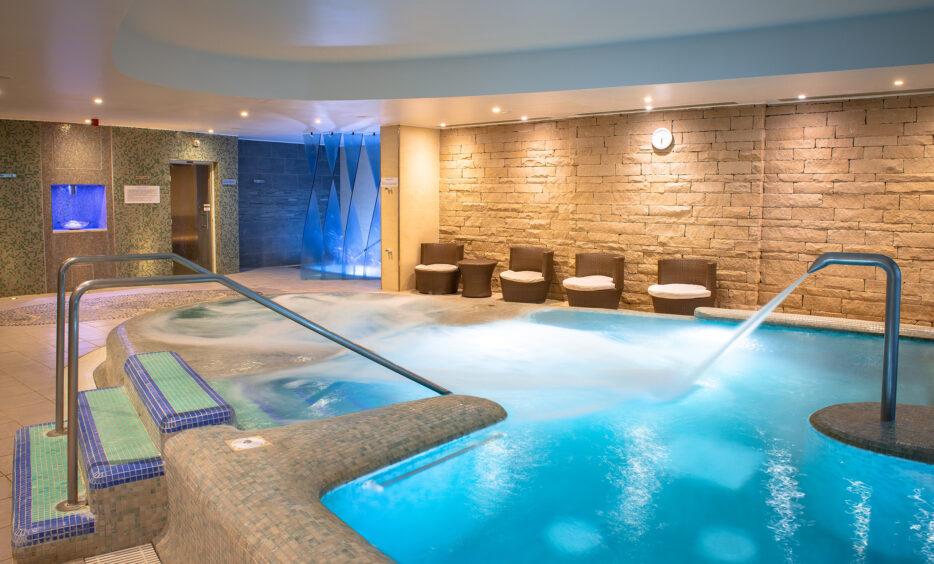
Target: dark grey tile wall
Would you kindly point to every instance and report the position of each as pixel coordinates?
(272, 213)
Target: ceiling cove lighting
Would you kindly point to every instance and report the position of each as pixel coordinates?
(98, 101)
(210, 131)
(442, 124)
(899, 82)
(87, 121)
(802, 96)
(524, 118)
(244, 113)
(497, 109)
(648, 108)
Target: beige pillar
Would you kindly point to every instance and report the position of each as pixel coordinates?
(410, 211)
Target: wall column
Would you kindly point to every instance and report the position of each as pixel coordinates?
(410, 212)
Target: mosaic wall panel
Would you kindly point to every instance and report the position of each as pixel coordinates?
(75, 154)
(113, 157)
(342, 221)
(22, 263)
(141, 156)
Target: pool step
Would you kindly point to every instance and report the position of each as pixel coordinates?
(115, 447)
(170, 397)
(40, 481)
(121, 476)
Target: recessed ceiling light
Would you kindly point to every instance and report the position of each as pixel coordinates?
(210, 131)
(442, 124)
(648, 99)
(98, 101)
(87, 121)
(523, 118)
(244, 113)
(497, 109)
(317, 120)
(899, 82)
(802, 96)
(648, 108)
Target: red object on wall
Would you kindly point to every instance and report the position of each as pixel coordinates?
(95, 122)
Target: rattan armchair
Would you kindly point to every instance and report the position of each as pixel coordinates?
(437, 273)
(531, 270)
(597, 282)
(697, 279)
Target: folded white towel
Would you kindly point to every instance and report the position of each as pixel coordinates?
(589, 283)
(525, 276)
(436, 267)
(679, 291)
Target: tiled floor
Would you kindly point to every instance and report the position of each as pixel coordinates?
(27, 363)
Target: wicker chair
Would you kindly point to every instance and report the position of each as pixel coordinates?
(684, 285)
(437, 273)
(529, 276)
(597, 282)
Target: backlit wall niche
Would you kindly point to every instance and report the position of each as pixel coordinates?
(342, 226)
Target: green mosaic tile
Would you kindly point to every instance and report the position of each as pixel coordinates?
(121, 433)
(49, 471)
(182, 392)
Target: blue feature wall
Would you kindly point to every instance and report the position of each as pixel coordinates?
(272, 211)
(342, 226)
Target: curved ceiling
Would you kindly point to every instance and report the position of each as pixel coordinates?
(394, 49)
(382, 30)
(63, 55)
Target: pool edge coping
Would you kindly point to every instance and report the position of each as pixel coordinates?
(800, 321)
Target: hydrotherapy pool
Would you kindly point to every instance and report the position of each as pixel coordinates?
(611, 452)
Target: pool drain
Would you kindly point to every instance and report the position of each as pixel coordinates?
(246, 443)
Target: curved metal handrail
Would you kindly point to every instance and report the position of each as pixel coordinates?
(893, 302)
(73, 331)
(60, 317)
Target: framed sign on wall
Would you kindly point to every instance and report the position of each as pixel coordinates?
(140, 194)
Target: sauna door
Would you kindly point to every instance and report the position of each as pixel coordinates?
(192, 214)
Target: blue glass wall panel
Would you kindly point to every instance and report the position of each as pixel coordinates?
(78, 207)
(342, 227)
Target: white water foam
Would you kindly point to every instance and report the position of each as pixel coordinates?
(861, 510)
(923, 527)
(639, 459)
(784, 499)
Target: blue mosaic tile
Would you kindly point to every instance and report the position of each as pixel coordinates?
(159, 391)
(35, 520)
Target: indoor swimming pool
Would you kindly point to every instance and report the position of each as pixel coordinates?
(613, 450)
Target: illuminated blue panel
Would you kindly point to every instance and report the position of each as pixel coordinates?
(77, 207)
(373, 256)
(333, 232)
(342, 226)
(354, 247)
(373, 152)
(353, 143)
(332, 143)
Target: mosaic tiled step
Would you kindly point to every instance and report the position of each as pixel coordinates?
(172, 396)
(40, 482)
(116, 447)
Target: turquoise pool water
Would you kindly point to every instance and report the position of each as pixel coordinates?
(612, 453)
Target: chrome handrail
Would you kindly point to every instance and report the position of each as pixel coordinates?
(893, 303)
(60, 317)
(72, 502)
